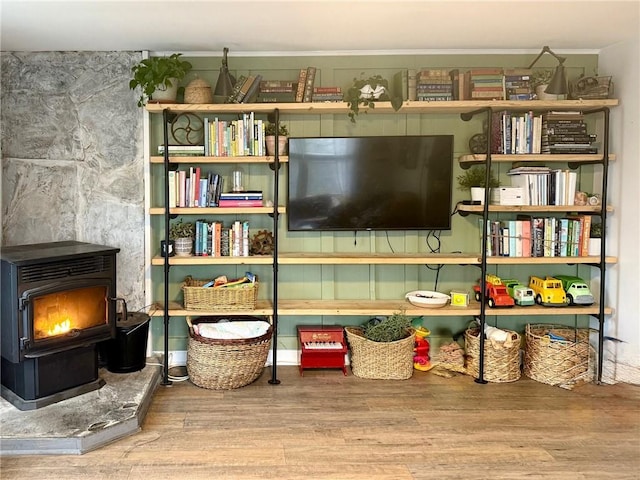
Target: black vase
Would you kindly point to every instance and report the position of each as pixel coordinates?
(163, 249)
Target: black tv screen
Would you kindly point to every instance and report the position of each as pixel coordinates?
(370, 183)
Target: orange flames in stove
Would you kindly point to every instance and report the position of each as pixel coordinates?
(59, 328)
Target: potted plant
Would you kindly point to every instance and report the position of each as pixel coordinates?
(473, 180)
(182, 234)
(540, 79)
(158, 78)
(367, 91)
(270, 138)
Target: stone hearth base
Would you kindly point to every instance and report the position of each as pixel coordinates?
(84, 422)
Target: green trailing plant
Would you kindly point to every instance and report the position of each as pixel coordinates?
(354, 99)
(270, 129)
(390, 329)
(476, 177)
(154, 71)
(181, 229)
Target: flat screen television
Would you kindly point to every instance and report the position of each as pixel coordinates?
(370, 183)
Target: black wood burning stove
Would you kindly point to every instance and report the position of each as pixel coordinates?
(57, 303)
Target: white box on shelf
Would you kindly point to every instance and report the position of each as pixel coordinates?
(507, 196)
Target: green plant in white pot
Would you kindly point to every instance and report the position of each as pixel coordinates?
(473, 180)
(158, 78)
(182, 234)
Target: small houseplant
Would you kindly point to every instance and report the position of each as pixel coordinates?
(182, 234)
(473, 180)
(367, 91)
(270, 138)
(540, 79)
(157, 76)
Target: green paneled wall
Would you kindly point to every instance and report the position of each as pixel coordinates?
(353, 282)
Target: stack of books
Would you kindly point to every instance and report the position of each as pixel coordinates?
(517, 84)
(241, 199)
(566, 133)
(433, 85)
(327, 94)
(277, 91)
(486, 83)
(182, 150)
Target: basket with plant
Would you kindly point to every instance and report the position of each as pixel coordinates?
(382, 348)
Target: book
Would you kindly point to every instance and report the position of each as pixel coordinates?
(236, 89)
(308, 88)
(257, 195)
(252, 91)
(244, 89)
(302, 82)
(239, 203)
(401, 84)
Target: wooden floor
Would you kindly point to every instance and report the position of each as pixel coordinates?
(328, 426)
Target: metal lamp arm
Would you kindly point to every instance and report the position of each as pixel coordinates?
(546, 49)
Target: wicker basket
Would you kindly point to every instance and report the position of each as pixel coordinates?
(380, 360)
(226, 364)
(564, 361)
(501, 363)
(198, 91)
(241, 297)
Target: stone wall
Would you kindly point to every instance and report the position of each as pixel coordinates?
(72, 159)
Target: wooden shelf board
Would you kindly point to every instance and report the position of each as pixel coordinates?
(201, 159)
(263, 307)
(193, 260)
(559, 158)
(375, 307)
(548, 260)
(532, 208)
(456, 106)
(340, 258)
(217, 210)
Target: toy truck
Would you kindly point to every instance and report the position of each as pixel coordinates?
(495, 294)
(548, 291)
(521, 294)
(576, 289)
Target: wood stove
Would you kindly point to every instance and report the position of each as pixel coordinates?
(57, 303)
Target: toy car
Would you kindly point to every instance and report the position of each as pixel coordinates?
(548, 291)
(521, 294)
(576, 289)
(496, 294)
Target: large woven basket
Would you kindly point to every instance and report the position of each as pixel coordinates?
(240, 297)
(226, 364)
(558, 355)
(501, 363)
(380, 360)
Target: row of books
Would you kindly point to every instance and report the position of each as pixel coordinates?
(191, 188)
(235, 138)
(539, 237)
(435, 84)
(566, 133)
(214, 239)
(246, 89)
(544, 186)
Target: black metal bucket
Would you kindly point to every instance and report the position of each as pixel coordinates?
(127, 352)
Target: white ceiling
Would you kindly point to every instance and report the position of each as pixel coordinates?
(266, 26)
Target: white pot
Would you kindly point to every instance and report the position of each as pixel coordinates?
(540, 93)
(164, 94)
(594, 247)
(183, 246)
(477, 194)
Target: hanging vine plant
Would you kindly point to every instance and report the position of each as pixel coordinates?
(368, 91)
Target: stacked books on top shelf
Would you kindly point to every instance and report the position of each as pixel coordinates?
(434, 85)
(327, 94)
(277, 91)
(544, 186)
(246, 89)
(566, 133)
(241, 199)
(235, 138)
(486, 83)
(530, 236)
(306, 81)
(517, 84)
